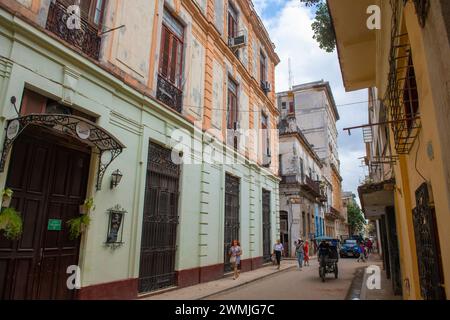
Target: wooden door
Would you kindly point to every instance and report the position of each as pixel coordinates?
(49, 181)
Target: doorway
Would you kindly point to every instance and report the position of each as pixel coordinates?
(267, 230)
(232, 211)
(48, 174)
(160, 221)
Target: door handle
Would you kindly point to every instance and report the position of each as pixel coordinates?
(41, 253)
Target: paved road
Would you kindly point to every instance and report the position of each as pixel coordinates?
(298, 285)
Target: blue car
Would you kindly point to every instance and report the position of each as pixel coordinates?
(349, 249)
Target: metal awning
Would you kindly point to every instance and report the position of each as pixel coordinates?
(79, 128)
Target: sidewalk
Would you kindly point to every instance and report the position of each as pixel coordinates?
(386, 292)
(204, 290)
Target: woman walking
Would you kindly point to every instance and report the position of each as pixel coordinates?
(278, 250)
(299, 250)
(235, 257)
(306, 253)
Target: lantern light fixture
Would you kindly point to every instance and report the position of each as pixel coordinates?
(116, 177)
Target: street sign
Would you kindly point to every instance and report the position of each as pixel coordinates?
(54, 225)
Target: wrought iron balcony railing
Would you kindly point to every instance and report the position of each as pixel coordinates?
(86, 38)
(292, 179)
(169, 94)
(312, 186)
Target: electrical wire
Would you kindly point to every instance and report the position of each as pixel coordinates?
(417, 156)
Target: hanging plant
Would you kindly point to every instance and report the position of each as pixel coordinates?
(79, 225)
(11, 223)
(6, 197)
(87, 206)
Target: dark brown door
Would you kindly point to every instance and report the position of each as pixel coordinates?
(267, 230)
(160, 221)
(232, 210)
(429, 257)
(49, 182)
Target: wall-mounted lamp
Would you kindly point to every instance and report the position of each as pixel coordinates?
(116, 177)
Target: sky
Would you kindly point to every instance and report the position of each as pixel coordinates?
(289, 25)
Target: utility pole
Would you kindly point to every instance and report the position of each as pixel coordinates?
(290, 75)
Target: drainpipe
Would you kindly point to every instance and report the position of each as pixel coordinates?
(291, 218)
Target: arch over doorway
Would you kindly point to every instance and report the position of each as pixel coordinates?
(88, 132)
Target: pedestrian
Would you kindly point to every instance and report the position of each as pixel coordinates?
(362, 252)
(278, 250)
(235, 257)
(306, 253)
(299, 251)
(369, 246)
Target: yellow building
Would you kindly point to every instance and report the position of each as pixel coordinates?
(406, 62)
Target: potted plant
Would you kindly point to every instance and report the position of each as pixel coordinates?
(11, 223)
(78, 225)
(6, 197)
(87, 206)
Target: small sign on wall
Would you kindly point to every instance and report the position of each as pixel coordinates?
(54, 225)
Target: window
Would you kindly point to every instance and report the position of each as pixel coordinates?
(232, 117)
(283, 105)
(266, 135)
(232, 21)
(171, 58)
(263, 66)
(302, 169)
(410, 95)
(291, 107)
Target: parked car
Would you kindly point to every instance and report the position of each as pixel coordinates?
(349, 249)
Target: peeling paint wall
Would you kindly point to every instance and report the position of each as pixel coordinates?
(195, 75)
(131, 45)
(219, 7)
(218, 95)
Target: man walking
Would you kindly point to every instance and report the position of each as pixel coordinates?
(300, 252)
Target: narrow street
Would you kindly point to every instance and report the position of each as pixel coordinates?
(294, 284)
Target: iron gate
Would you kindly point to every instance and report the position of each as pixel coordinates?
(266, 225)
(160, 221)
(232, 208)
(428, 252)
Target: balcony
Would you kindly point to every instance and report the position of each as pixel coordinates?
(311, 186)
(292, 179)
(169, 94)
(333, 214)
(85, 39)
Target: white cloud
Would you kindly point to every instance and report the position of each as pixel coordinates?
(290, 30)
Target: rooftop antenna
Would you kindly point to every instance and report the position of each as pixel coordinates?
(290, 74)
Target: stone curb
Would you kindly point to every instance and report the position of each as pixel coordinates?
(246, 282)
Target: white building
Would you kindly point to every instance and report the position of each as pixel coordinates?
(313, 107)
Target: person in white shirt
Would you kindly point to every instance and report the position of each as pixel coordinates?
(278, 249)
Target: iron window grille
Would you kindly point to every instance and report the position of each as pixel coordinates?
(402, 97)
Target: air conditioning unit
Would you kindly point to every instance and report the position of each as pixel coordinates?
(237, 42)
(267, 160)
(265, 85)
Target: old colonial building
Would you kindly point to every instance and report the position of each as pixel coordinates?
(405, 65)
(301, 196)
(313, 108)
(94, 98)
